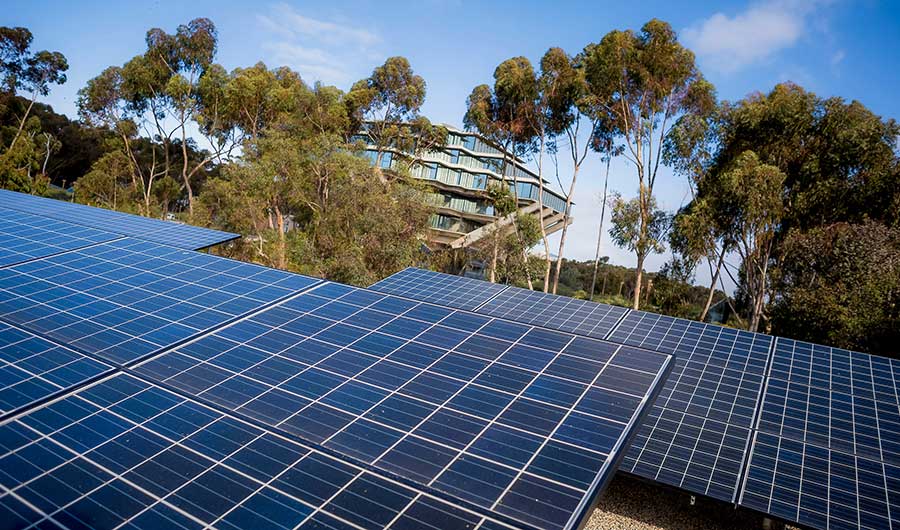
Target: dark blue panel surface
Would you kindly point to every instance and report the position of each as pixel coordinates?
(127, 298)
(698, 432)
(169, 233)
(522, 421)
(126, 454)
(32, 368)
(827, 452)
(438, 288)
(24, 237)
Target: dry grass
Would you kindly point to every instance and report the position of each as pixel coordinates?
(632, 504)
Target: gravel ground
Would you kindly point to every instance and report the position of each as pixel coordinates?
(631, 504)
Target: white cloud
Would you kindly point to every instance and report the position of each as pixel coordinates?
(320, 50)
(728, 43)
(838, 57)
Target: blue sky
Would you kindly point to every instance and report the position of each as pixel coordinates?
(832, 47)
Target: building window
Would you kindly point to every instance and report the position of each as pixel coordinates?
(454, 156)
(386, 158)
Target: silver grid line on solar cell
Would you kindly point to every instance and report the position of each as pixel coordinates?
(826, 452)
(696, 437)
(128, 298)
(157, 369)
(25, 237)
(166, 232)
(33, 369)
(197, 440)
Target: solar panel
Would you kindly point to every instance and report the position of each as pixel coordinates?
(697, 435)
(33, 369)
(128, 454)
(170, 233)
(521, 421)
(127, 298)
(24, 237)
(827, 450)
(439, 288)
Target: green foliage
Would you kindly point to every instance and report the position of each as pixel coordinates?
(840, 284)
(626, 227)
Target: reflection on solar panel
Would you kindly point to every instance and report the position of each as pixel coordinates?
(521, 421)
(127, 298)
(827, 452)
(175, 234)
(32, 369)
(127, 454)
(696, 435)
(25, 237)
(439, 288)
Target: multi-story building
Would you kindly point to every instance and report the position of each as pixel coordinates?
(458, 175)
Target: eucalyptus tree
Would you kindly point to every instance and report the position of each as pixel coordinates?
(506, 114)
(632, 229)
(749, 195)
(32, 72)
(641, 83)
(385, 102)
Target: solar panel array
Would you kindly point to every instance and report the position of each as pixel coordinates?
(438, 288)
(128, 454)
(483, 410)
(827, 450)
(807, 433)
(123, 224)
(147, 386)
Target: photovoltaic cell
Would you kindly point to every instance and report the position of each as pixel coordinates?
(127, 454)
(697, 435)
(521, 421)
(170, 233)
(127, 298)
(827, 451)
(32, 368)
(24, 237)
(438, 288)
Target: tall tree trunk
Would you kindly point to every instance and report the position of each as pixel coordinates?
(712, 285)
(547, 261)
(282, 247)
(599, 236)
(22, 123)
(494, 258)
(565, 228)
(638, 278)
(184, 169)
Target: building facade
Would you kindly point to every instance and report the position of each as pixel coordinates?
(458, 175)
